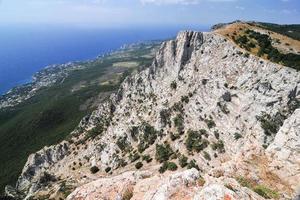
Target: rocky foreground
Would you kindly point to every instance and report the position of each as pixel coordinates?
(206, 121)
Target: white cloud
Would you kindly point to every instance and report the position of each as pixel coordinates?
(240, 7)
(183, 2)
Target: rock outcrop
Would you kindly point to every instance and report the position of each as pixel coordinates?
(233, 116)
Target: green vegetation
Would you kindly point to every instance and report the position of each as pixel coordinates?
(147, 158)
(123, 144)
(165, 115)
(107, 169)
(210, 123)
(266, 192)
(49, 116)
(237, 136)
(194, 141)
(219, 146)
(185, 99)
(168, 166)
(260, 189)
(94, 169)
(183, 161)
(95, 132)
(163, 152)
(147, 137)
(174, 85)
(290, 30)
(179, 123)
(193, 164)
(271, 124)
(264, 43)
(172, 166)
(134, 157)
(206, 155)
(138, 165)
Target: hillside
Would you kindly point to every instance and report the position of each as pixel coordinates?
(260, 40)
(207, 120)
(47, 114)
(292, 31)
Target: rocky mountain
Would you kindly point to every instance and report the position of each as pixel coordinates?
(207, 120)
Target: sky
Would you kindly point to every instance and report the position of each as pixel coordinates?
(131, 13)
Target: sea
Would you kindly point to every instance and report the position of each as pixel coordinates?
(25, 50)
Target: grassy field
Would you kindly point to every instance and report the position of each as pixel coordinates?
(49, 116)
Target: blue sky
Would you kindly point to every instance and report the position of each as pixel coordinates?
(118, 13)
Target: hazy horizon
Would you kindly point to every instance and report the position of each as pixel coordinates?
(137, 13)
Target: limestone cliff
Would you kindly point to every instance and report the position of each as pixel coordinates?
(223, 123)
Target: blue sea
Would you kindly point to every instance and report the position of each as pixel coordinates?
(25, 50)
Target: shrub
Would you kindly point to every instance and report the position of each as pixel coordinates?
(179, 123)
(134, 132)
(226, 96)
(163, 167)
(183, 161)
(94, 132)
(237, 136)
(46, 178)
(163, 152)
(185, 99)
(138, 165)
(165, 117)
(107, 169)
(168, 166)
(174, 136)
(172, 166)
(122, 143)
(174, 85)
(147, 138)
(194, 141)
(223, 107)
(271, 124)
(206, 155)
(134, 157)
(218, 146)
(94, 169)
(192, 164)
(147, 158)
(242, 39)
(210, 123)
(122, 163)
(217, 135)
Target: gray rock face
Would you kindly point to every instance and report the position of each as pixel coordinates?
(284, 152)
(240, 104)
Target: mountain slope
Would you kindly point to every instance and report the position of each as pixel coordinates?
(224, 120)
(262, 41)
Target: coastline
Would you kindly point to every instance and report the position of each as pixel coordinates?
(52, 74)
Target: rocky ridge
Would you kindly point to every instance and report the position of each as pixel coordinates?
(233, 115)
